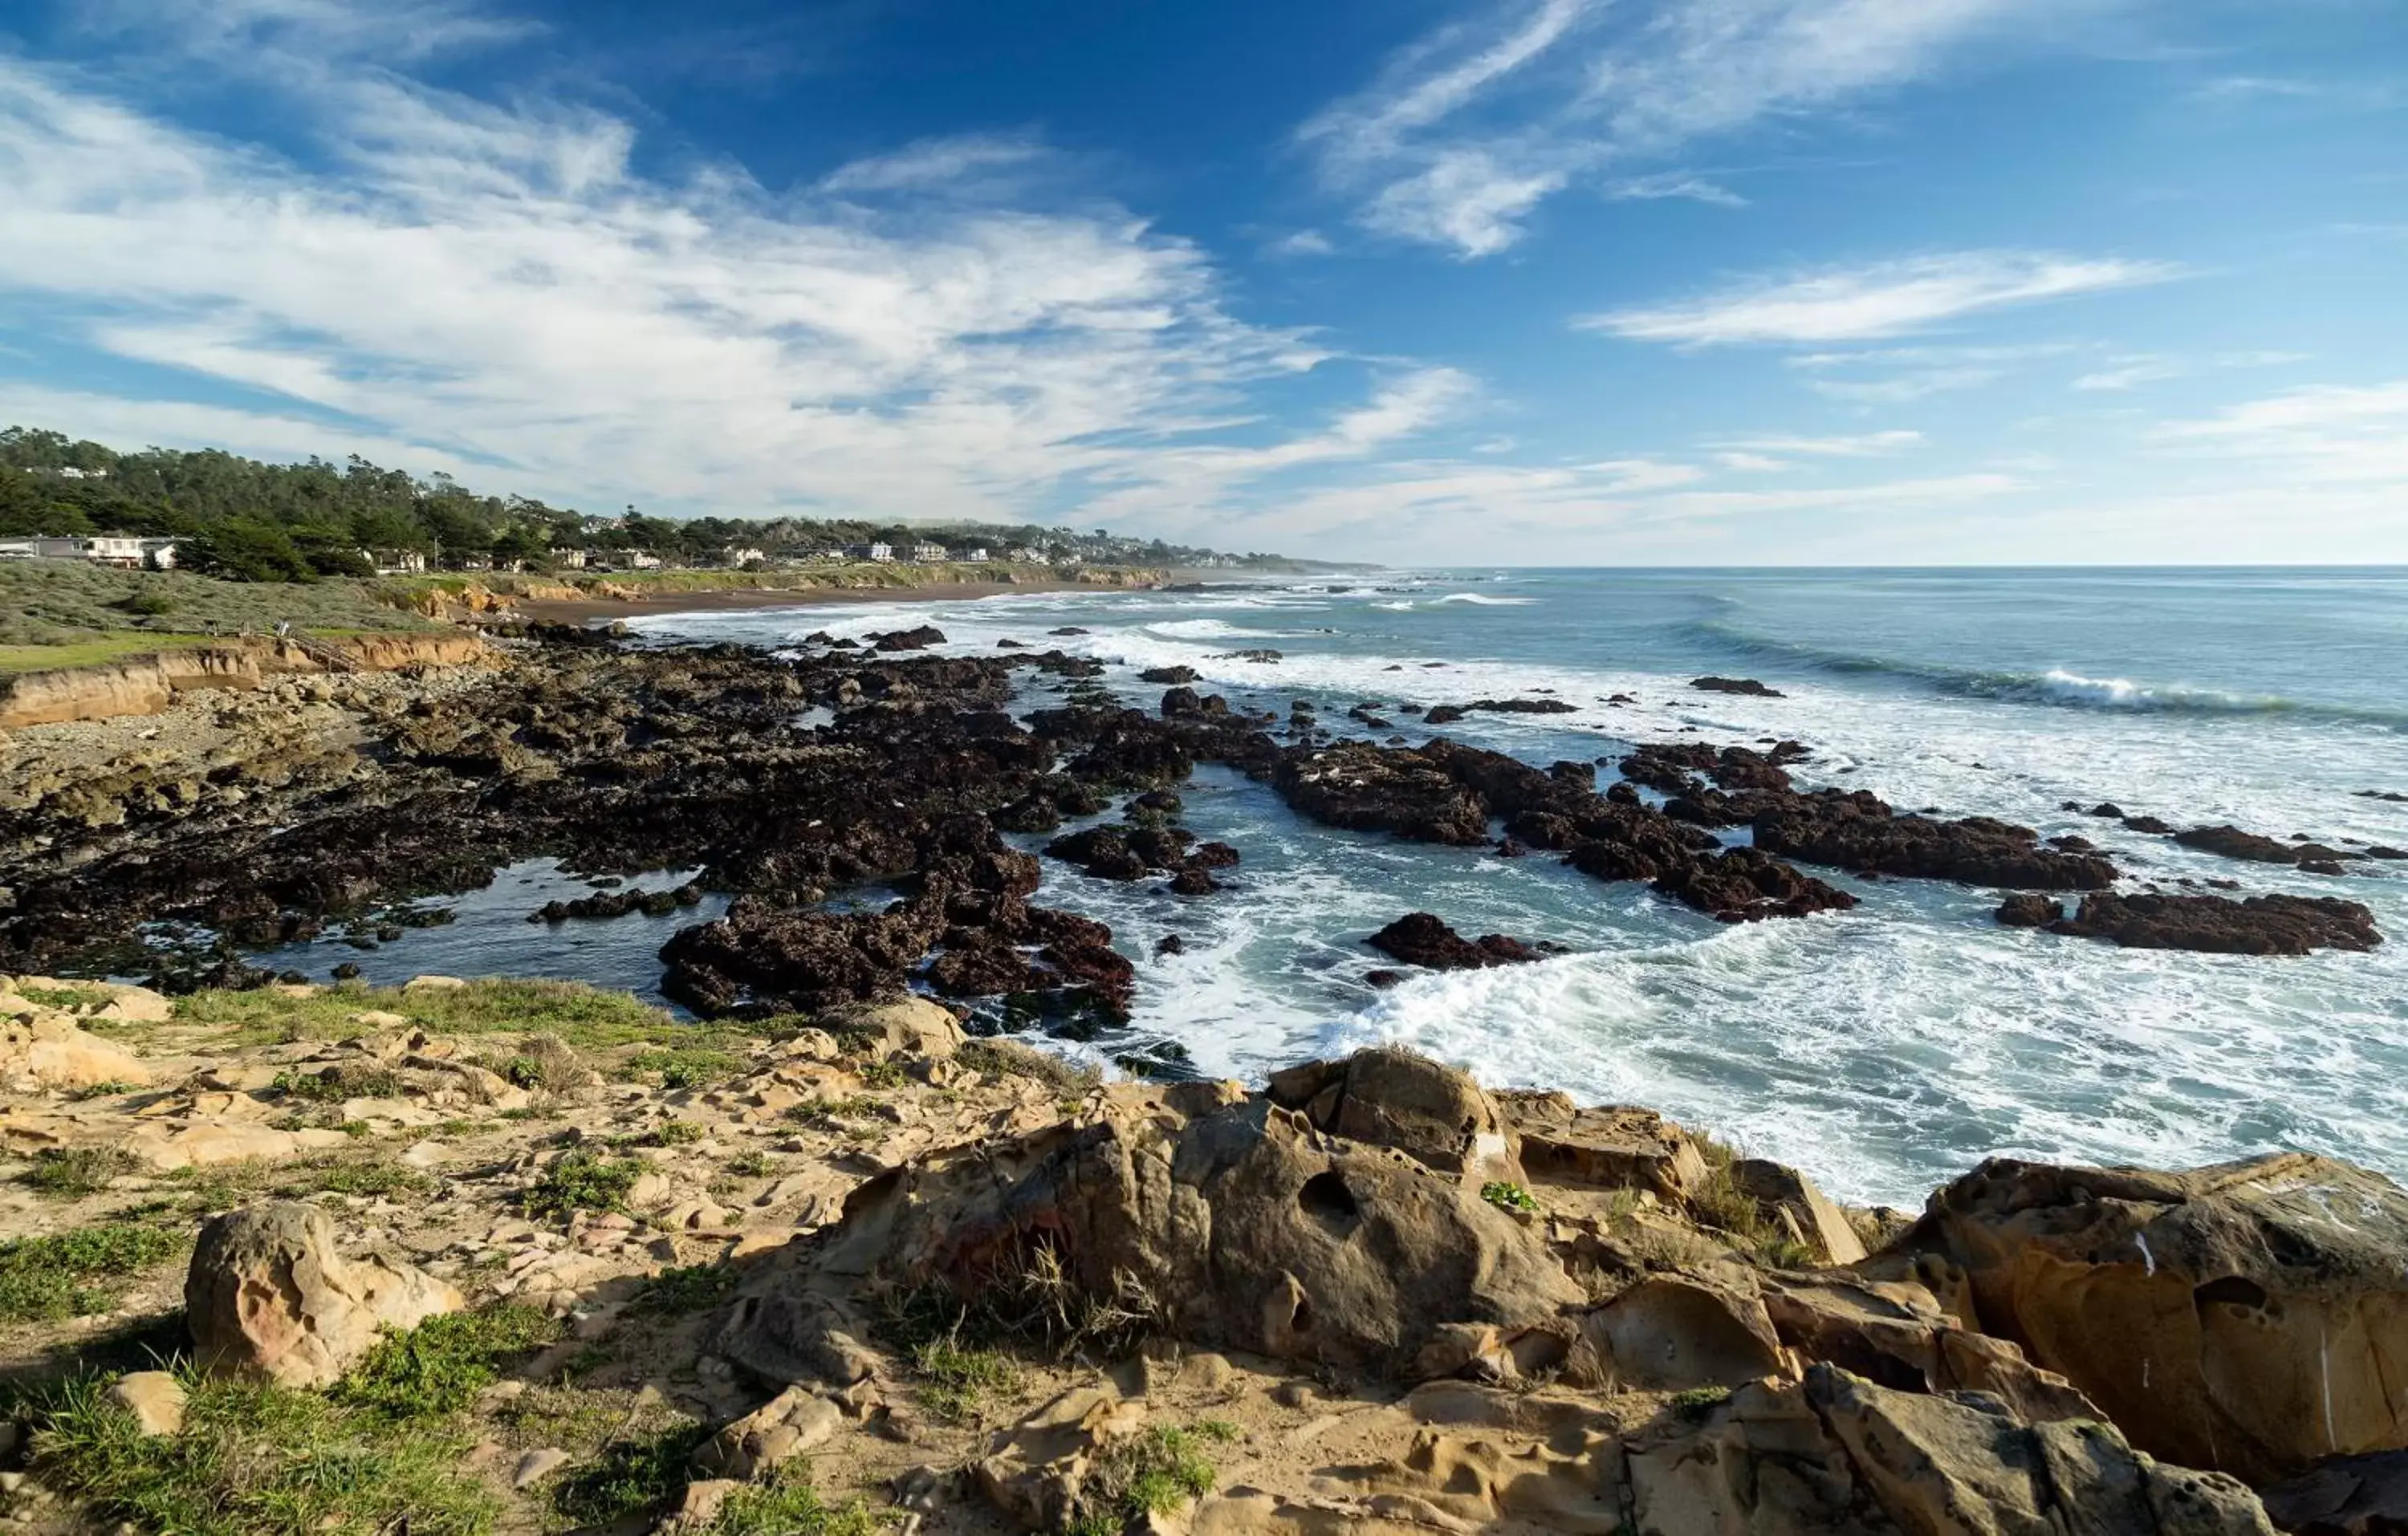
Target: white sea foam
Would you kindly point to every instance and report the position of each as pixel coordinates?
(1881, 1050)
(1481, 600)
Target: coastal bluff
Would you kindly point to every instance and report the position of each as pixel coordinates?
(147, 684)
(660, 1277)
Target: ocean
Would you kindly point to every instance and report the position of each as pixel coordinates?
(1884, 1050)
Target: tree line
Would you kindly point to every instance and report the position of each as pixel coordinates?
(256, 521)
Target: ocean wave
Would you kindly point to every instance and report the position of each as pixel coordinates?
(1483, 600)
(1212, 629)
(2057, 685)
(1401, 606)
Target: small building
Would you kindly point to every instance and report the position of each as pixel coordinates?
(17, 549)
(876, 554)
(568, 559)
(159, 554)
(396, 562)
(930, 555)
(976, 556)
(739, 558)
(471, 560)
(124, 551)
(639, 560)
(1029, 554)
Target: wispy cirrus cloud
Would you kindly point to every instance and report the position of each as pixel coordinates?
(1874, 302)
(455, 283)
(1466, 132)
(1862, 445)
(2331, 433)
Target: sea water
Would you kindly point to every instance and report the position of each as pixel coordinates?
(1884, 1050)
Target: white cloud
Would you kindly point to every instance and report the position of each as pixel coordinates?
(1303, 242)
(497, 289)
(1868, 303)
(2132, 371)
(1863, 445)
(935, 163)
(1751, 464)
(1465, 200)
(1674, 184)
(1545, 94)
(2327, 433)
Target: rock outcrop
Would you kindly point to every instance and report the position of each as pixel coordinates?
(147, 684)
(1421, 938)
(268, 1297)
(2250, 1317)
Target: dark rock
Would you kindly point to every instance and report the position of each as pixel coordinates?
(1421, 939)
(2029, 910)
(1736, 685)
(1170, 943)
(1169, 674)
(1384, 979)
(1067, 629)
(918, 639)
(1008, 644)
(1194, 881)
(2232, 843)
(2154, 825)
(1262, 656)
(2260, 924)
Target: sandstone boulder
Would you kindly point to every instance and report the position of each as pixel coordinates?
(1895, 1334)
(2249, 1318)
(268, 1297)
(1610, 1147)
(155, 1398)
(755, 1446)
(910, 1026)
(1437, 1114)
(45, 1050)
(1230, 1222)
(1835, 1454)
(2349, 1496)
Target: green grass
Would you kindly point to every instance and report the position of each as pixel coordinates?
(89, 652)
(1010, 1058)
(582, 1180)
(75, 1275)
(883, 1075)
(70, 1173)
(1157, 1470)
(103, 1090)
(587, 1018)
(668, 1133)
(64, 996)
(1507, 1196)
(750, 1164)
(57, 607)
(691, 1288)
(372, 1176)
(629, 1477)
(954, 1381)
(788, 1506)
(441, 1366)
(256, 1460)
(688, 1066)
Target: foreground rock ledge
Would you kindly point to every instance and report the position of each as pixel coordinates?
(1384, 1220)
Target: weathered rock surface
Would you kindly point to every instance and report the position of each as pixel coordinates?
(2250, 1317)
(269, 1298)
(1735, 686)
(2348, 1496)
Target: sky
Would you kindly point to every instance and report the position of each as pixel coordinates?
(1421, 281)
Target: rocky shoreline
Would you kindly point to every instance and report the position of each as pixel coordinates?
(829, 1226)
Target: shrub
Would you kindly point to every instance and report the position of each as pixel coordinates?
(582, 1180)
(954, 1380)
(689, 1065)
(1507, 1196)
(1154, 1471)
(787, 1506)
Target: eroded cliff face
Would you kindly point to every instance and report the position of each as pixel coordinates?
(147, 684)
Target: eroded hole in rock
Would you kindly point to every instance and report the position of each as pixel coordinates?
(1326, 1199)
(2236, 1290)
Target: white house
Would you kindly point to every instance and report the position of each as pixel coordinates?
(640, 560)
(739, 558)
(930, 555)
(877, 553)
(1028, 554)
(568, 559)
(976, 557)
(396, 562)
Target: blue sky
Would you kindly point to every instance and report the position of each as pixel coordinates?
(1550, 281)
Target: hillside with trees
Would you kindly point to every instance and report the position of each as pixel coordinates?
(252, 520)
